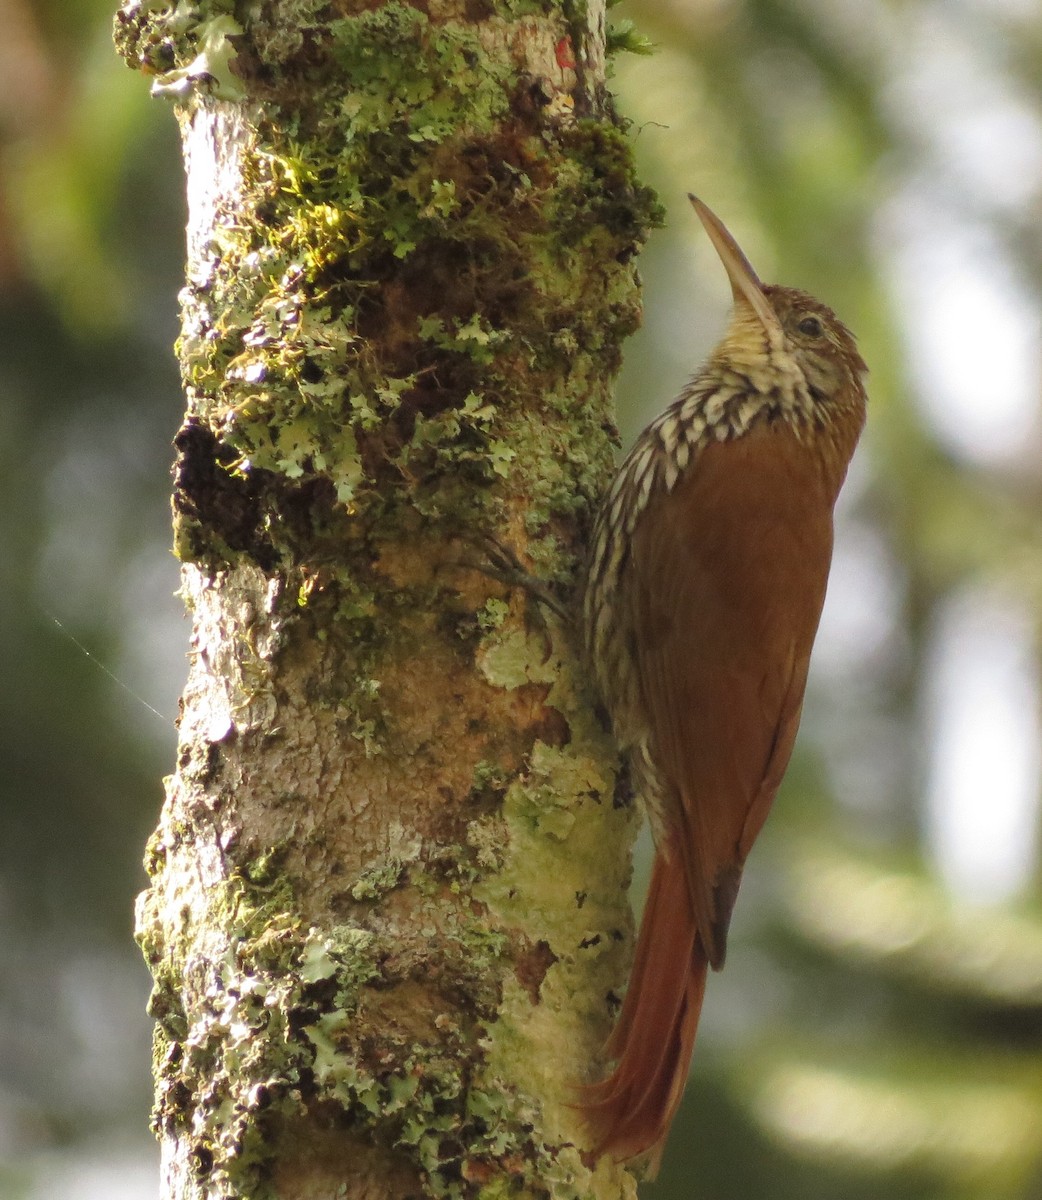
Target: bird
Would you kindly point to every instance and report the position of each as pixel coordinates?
(710, 555)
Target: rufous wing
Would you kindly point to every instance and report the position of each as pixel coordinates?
(725, 585)
(721, 594)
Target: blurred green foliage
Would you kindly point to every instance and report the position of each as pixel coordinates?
(91, 200)
(873, 1034)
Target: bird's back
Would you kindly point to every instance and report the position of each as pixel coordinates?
(722, 594)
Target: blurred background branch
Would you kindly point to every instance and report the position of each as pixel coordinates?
(879, 1028)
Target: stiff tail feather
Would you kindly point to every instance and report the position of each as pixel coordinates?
(631, 1111)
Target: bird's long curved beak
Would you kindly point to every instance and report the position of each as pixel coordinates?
(745, 284)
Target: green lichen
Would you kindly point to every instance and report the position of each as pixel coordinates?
(514, 656)
(212, 64)
(271, 1032)
(489, 776)
(186, 46)
(406, 329)
(253, 1036)
(385, 872)
(309, 360)
(291, 378)
(556, 826)
(493, 614)
(414, 312)
(622, 37)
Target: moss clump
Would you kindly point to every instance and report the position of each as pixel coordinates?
(399, 341)
(408, 328)
(423, 282)
(183, 46)
(270, 1033)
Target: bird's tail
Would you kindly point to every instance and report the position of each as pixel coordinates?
(631, 1111)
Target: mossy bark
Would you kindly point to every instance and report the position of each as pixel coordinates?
(387, 916)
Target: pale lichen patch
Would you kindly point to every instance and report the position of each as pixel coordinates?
(371, 903)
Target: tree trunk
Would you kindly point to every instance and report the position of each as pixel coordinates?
(387, 916)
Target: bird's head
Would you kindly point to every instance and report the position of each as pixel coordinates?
(781, 336)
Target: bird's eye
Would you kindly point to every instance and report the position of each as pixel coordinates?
(811, 326)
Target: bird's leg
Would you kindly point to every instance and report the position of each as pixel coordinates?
(499, 562)
(505, 566)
